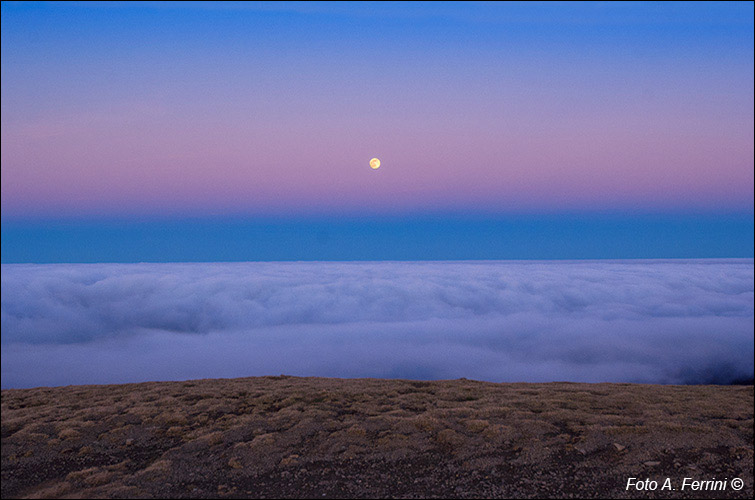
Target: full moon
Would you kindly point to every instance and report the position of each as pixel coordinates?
(374, 163)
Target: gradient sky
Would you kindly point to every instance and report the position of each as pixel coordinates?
(251, 112)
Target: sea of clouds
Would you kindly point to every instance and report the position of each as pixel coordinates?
(684, 321)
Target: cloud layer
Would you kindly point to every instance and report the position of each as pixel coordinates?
(687, 321)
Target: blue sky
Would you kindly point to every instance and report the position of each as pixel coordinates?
(218, 131)
(555, 236)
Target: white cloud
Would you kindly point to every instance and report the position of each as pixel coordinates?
(637, 321)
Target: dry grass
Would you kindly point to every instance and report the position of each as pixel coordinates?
(291, 436)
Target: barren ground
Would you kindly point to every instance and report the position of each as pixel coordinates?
(316, 437)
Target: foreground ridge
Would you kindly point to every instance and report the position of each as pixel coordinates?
(318, 437)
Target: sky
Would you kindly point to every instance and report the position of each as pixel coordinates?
(203, 131)
(641, 321)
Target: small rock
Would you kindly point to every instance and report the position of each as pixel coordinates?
(651, 463)
(234, 463)
(581, 451)
(619, 447)
(289, 460)
(129, 442)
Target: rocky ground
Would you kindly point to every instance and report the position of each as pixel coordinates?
(313, 437)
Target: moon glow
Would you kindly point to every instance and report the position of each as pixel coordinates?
(374, 163)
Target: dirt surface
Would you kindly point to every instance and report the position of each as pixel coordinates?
(338, 438)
